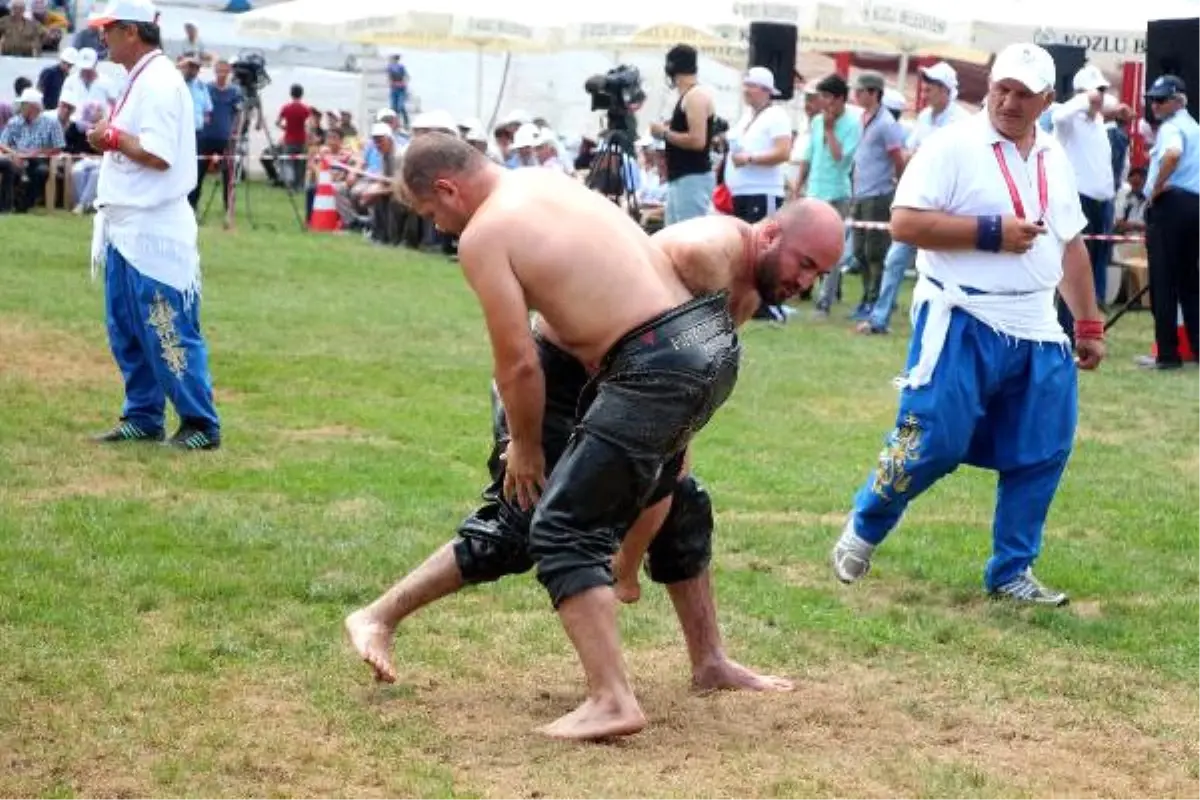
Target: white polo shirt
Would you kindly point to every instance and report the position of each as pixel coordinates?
(928, 122)
(755, 134)
(1089, 150)
(957, 172)
(78, 95)
(144, 212)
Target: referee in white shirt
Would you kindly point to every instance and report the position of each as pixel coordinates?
(145, 238)
(991, 203)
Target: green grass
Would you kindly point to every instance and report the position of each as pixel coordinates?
(170, 625)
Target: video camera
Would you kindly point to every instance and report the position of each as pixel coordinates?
(615, 92)
(250, 73)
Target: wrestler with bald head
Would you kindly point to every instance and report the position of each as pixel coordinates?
(502, 537)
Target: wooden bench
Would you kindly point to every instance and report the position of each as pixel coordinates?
(1136, 271)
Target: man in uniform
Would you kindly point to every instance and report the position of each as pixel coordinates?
(993, 207)
(492, 542)
(145, 238)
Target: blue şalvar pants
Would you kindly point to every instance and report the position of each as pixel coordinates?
(994, 402)
(156, 341)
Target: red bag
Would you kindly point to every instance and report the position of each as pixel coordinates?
(722, 199)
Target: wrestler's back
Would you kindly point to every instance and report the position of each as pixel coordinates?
(704, 253)
(585, 266)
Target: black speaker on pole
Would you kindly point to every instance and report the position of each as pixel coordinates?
(773, 45)
(1068, 59)
(1171, 50)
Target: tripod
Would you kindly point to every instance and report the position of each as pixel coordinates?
(238, 151)
(609, 175)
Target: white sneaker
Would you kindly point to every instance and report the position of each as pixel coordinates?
(851, 555)
(1027, 589)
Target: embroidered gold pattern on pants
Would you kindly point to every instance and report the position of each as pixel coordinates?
(891, 476)
(162, 320)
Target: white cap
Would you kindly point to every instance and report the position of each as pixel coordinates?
(470, 123)
(434, 121)
(516, 118)
(30, 95)
(86, 59)
(384, 114)
(1089, 78)
(761, 77)
(69, 55)
(526, 136)
(1027, 63)
(942, 73)
(894, 100)
(476, 134)
(381, 129)
(124, 11)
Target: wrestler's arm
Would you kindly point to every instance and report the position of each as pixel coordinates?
(518, 372)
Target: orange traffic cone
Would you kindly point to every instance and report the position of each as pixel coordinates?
(1185, 347)
(325, 216)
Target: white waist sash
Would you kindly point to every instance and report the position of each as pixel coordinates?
(1029, 316)
(158, 242)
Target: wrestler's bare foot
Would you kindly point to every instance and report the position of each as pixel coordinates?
(598, 718)
(373, 641)
(724, 674)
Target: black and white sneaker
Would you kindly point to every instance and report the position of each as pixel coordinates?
(1027, 589)
(126, 431)
(190, 438)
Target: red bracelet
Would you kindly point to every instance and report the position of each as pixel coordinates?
(1092, 329)
(111, 139)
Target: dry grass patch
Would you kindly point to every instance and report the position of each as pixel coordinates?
(52, 359)
(849, 731)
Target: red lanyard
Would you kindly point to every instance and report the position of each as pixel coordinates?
(133, 76)
(1043, 188)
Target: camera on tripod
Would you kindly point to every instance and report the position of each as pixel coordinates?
(615, 92)
(250, 73)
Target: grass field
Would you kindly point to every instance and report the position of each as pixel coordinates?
(171, 624)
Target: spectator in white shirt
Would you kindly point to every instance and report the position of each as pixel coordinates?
(759, 146)
(940, 83)
(1079, 127)
(1130, 208)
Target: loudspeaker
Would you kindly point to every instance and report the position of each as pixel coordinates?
(1068, 59)
(1171, 50)
(773, 45)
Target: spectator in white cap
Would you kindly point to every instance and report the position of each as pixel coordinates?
(392, 120)
(28, 140)
(524, 141)
(50, 81)
(192, 45)
(990, 382)
(759, 145)
(477, 138)
(145, 238)
(1079, 125)
(894, 101)
(940, 85)
(86, 85)
(812, 107)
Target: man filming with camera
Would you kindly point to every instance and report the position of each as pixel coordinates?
(688, 136)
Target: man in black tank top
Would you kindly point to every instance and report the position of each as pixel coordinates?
(688, 136)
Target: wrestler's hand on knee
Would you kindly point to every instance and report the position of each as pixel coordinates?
(524, 474)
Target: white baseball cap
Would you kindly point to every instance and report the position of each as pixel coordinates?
(69, 55)
(476, 135)
(894, 100)
(942, 73)
(761, 77)
(1089, 78)
(516, 118)
(381, 129)
(1026, 63)
(124, 11)
(434, 121)
(384, 114)
(526, 136)
(30, 95)
(86, 59)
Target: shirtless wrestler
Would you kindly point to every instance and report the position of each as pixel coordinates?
(491, 542)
